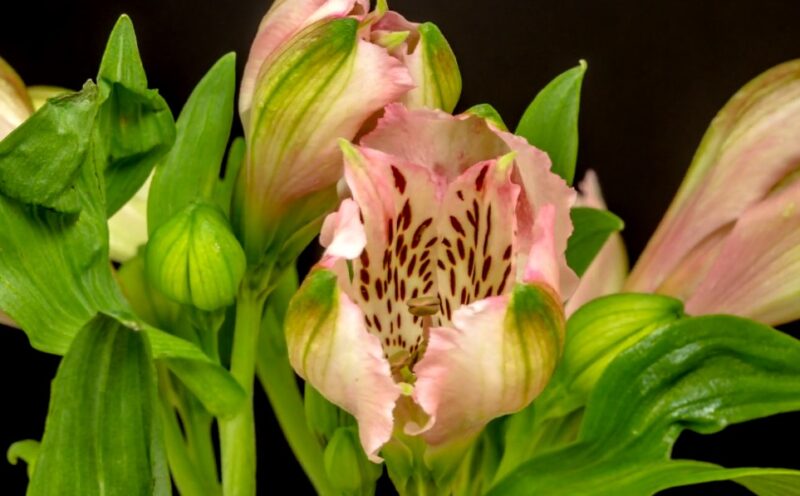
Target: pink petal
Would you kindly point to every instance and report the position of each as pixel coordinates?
(757, 271)
(476, 256)
(750, 146)
(607, 272)
(399, 203)
(330, 347)
(285, 19)
(542, 187)
(542, 262)
(497, 357)
(446, 144)
(342, 233)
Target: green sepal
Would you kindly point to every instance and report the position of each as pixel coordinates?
(550, 122)
(194, 258)
(40, 160)
(135, 125)
(592, 227)
(191, 170)
(102, 435)
(486, 111)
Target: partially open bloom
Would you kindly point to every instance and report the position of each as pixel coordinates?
(318, 71)
(437, 305)
(730, 242)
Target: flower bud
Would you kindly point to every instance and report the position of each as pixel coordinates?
(15, 104)
(195, 259)
(346, 465)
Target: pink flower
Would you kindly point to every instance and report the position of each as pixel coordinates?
(437, 305)
(730, 242)
(318, 71)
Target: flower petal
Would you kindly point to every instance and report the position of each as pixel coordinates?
(607, 272)
(497, 357)
(127, 228)
(399, 204)
(330, 347)
(476, 256)
(447, 145)
(750, 146)
(343, 233)
(284, 19)
(757, 272)
(542, 187)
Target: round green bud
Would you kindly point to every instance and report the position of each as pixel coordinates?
(195, 259)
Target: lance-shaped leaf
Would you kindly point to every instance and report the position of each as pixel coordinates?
(700, 374)
(135, 124)
(40, 160)
(191, 169)
(551, 121)
(102, 434)
(592, 227)
(750, 147)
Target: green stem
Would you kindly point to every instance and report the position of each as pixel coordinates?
(237, 432)
(197, 425)
(279, 382)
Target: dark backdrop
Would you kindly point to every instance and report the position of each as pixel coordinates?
(658, 71)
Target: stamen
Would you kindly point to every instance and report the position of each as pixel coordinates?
(423, 306)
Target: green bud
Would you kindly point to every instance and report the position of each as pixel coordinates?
(322, 416)
(435, 71)
(195, 259)
(346, 464)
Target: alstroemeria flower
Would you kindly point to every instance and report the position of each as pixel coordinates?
(320, 70)
(442, 281)
(730, 242)
(15, 104)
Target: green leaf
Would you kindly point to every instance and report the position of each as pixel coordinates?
(26, 450)
(214, 386)
(191, 170)
(551, 121)
(233, 163)
(701, 374)
(592, 227)
(40, 160)
(102, 435)
(135, 124)
(56, 272)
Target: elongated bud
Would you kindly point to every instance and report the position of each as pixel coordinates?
(195, 259)
(15, 104)
(346, 465)
(321, 86)
(429, 58)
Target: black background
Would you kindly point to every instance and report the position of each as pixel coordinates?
(658, 72)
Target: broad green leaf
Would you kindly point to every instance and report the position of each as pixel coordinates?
(56, 272)
(592, 227)
(701, 374)
(135, 127)
(26, 450)
(191, 170)
(40, 160)
(102, 435)
(550, 122)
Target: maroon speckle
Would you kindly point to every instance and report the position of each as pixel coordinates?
(390, 229)
(431, 242)
(364, 293)
(379, 288)
(403, 254)
(423, 266)
(460, 246)
(364, 276)
(452, 282)
(481, 176)
(440, 264)
(457, 226)
(364, 258)
(427, 287)
(411, 264)
(399, 179)
(507, 253)
(417, 238)
(406, 215)
(460, 195)
(488, 228)
(451, 257)
(487, 264)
